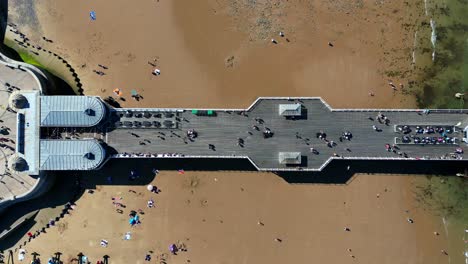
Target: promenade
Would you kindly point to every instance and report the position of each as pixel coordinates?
(13, 78)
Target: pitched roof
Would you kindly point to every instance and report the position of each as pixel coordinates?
(71, 154)
(290, 109)
(71, 111)
(289, 158)
(27, 131)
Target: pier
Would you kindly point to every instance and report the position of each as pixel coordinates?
(274, 134)
(241, 134)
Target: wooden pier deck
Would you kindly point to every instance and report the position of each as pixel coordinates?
(225, 128)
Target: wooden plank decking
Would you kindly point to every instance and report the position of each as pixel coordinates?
(224, 130)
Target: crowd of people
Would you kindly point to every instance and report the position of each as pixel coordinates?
(383, 119)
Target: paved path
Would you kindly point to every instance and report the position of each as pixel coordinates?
(12, 185)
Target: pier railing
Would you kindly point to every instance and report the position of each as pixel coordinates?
(259, 99)
(179, 110)
(298, 168)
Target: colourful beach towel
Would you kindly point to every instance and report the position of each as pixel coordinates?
(92, 15)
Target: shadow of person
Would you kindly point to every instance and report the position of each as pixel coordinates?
(106, 259)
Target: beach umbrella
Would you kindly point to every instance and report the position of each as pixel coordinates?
(92, 15)
(150, 187)
(133, 92)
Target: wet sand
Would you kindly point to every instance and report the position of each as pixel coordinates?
(194, 44)
(219, 54)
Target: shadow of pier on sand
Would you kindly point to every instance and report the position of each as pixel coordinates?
(64, 190)
(70, 186)
(342, 171)
(117, 171)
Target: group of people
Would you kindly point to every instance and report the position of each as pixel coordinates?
(100, 72)
(346, 135)
(192, 134)
(381, 118)
(267, 133)
(395, 149)
(321, 135)
(134, 218)
(454, 155)
(457, 154)
(10, 88)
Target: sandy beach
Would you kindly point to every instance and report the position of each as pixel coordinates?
(210, 57)
(219, 54)
(216, 215)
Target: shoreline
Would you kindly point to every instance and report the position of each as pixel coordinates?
(442, 68)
